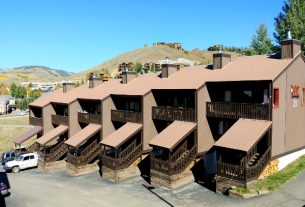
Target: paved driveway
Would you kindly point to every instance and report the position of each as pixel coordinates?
(34, 189)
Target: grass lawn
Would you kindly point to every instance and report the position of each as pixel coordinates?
(8, 134)
(18, 120)
(276, 180)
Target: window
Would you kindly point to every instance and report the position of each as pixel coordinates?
(32, 157)
(26, 158)
(294, 91)
(276, 98)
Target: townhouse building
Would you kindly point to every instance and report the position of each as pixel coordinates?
(232, 118)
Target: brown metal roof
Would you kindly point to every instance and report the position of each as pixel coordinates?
(173, 134)
(28, 134)
(244, 134)
(246, 68)
(259, 67)
(84, 92)
(54, 133)
(83, 135)
(139, 86)
(121, 135)
(46, 99)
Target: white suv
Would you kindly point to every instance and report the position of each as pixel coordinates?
(22, 162)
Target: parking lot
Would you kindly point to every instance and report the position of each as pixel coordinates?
(31, 188)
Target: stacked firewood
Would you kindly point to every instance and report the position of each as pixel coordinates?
(271, 168)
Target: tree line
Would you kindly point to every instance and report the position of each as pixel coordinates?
(291, 18)
(23, 95)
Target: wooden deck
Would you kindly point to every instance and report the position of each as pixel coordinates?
(237, 110)
(88, 118)
(126, 116)
(173, 113)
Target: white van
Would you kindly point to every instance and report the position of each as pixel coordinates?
(22, 162)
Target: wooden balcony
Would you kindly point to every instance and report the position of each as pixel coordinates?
(237, 110)
(125, 158)
(59, 120)
(177, 163)
(88, 118)
(126, 116)
(173, 113)
(244, 174)
(86, 156)
(35, 121)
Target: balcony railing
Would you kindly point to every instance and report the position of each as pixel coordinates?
(173, 113)
(244, 174)
(59, 120)
(172, 167)
(86, 156)
(55, 153)
(125, 158)
(237, 110)
(88, 118)
(35, 121)
(126, 116)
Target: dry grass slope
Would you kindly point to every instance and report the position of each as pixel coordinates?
(150, 54)
(8, 134)
(31, 74)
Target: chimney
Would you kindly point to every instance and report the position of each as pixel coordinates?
(93, 82)
(220, 60)
(68, 86)
(290, 47)
(128, 76)
(168, 70)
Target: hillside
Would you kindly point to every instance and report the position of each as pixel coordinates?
(32, 73)
(151, 54)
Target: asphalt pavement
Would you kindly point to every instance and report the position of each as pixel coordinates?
(31, 188)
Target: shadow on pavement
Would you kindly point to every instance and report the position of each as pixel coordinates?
(144, 167)
(150, 189)
(2, 201)
(206, 181)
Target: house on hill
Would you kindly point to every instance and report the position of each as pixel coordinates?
(7, 104)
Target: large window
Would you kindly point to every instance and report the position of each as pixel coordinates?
(276, 98)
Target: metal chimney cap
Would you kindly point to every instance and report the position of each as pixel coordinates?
(289, 36)
(219, 50)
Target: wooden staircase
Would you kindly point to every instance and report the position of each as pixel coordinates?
(32, 148)
(253, 160)
(56, 153)
(90, 153)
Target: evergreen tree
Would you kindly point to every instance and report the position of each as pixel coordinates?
(21, 92)
(291, 18)
(13, 89)
(138, 67)
(261, 43)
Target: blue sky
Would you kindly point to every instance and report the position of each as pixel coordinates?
(75, 35)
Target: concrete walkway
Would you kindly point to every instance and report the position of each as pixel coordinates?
(32, 188)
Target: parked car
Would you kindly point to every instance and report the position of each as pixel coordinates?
(24, 161)
(3, 188)
(10, 155)
(7, 156)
